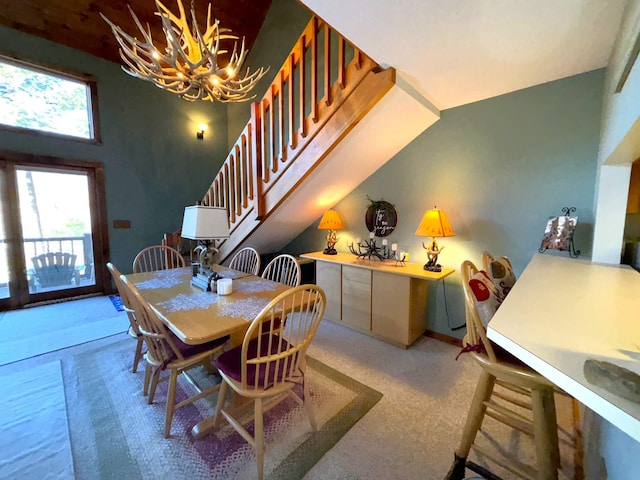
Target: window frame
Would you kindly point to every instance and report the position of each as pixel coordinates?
(60, 72)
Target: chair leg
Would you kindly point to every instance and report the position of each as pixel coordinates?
(155, 378)
(545, 433)
(222, 393)
(307, 403)
(147, 380)
(258, 436)
(171, 402)
(138, 355)
(483, 392)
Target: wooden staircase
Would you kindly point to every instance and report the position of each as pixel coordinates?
(294, 158)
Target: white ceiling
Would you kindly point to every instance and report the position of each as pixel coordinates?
(456, 52)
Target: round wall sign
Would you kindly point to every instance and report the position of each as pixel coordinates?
(381, 218)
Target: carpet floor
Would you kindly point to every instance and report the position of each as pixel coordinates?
(37, 330)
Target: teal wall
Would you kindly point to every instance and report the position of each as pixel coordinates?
(154, 165)
(499, 168)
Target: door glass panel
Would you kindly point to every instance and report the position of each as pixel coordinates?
(56, 229)
(4, 253)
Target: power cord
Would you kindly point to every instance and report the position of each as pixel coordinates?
(446, 309)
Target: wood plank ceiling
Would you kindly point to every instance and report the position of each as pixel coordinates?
(78, 24)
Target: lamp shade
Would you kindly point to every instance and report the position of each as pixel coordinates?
(435, 224)
(330, 221)
(205, 223)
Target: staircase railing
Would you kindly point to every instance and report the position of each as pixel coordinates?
(320, 72)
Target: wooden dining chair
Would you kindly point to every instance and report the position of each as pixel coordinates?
(157, 257)
(283, 269)
(246, 260)
(523, 389)
(270, 362)
(134, 331)
(165, 351)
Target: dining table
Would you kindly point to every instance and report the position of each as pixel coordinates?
(196, 316)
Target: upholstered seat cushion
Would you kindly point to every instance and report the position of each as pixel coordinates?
(230, 362)
(190, 350)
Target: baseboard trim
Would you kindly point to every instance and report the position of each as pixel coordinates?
(443, 338)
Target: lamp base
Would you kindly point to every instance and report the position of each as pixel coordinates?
(432, 268)
(330, 251)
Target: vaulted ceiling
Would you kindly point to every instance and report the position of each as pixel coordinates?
(78, 24)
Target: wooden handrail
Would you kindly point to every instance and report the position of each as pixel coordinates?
(287, 118)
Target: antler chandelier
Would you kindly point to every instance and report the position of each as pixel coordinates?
(188, 64)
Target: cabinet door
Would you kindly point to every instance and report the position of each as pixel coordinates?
(633, 200)
(329, 278)
(398, 307)
(356, 297)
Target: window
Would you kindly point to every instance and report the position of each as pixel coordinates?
(46, 100)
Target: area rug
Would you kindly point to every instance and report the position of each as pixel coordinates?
(33, 331)
(116, 434)
(34, 442)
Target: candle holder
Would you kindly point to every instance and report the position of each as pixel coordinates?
(369, 249)
(401, 258)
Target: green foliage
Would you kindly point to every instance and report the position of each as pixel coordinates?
(39, 101)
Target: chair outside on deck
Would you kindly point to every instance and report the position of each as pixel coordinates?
(283, 269)
(157, 257)
(165, 351)
(524, 387)
(55, 269)
(270, 363)
(246, 260)
(134, 331)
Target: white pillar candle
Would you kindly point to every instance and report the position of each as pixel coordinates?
(225, 286)
(358, 240)
(371, 235)
(394, 247)
(385, 241)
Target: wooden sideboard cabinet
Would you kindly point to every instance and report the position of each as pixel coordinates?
(376, 297)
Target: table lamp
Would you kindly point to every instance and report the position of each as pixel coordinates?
(331, 222)
(434, 224)
(204, 223)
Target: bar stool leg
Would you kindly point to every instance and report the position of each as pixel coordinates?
(483, 392)
(545, 433)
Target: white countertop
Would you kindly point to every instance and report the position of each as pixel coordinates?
(563, 311)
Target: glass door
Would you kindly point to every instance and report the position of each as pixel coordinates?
(52, 222)
(55, 219)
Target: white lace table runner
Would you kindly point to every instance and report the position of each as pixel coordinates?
(247, 308)
(163, 279)
(190, 301)
(257, 286)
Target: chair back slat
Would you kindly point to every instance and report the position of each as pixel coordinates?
(160, 347)
(283, 269)
(281, 349)
(246, 260)
(157, 257)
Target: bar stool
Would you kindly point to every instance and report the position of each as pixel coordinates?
(535, 392)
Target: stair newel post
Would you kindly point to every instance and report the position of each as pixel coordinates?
(255, 150)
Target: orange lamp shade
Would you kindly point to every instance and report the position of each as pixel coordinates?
(435, 223)
(330, 221)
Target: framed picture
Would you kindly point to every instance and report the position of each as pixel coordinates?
(381, 218)
(558, 234)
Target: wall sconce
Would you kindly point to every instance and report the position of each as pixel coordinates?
(434, 224)
(331, 221)
(201, 129)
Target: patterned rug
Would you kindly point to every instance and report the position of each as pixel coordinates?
(116, 434)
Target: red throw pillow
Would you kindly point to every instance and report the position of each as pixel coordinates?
(486, 296)
(501, 274)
